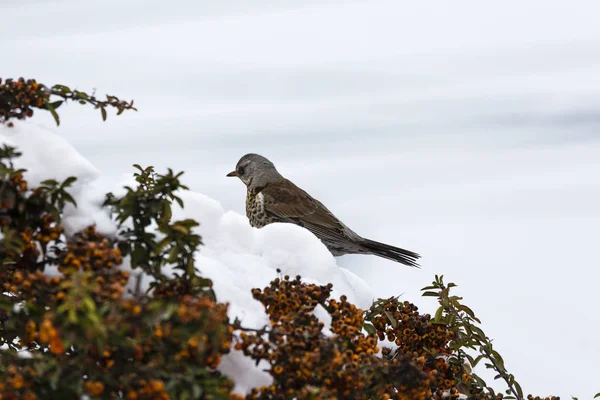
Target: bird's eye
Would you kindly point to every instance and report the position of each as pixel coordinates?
(240, 170)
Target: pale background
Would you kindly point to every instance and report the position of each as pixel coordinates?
(464, 130)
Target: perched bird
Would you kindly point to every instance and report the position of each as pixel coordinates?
(272, 198)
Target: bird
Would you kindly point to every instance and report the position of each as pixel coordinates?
(272, 198)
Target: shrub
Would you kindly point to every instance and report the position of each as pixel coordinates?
(84, 334)
(309, 361)
(74, 323)
(306, 363)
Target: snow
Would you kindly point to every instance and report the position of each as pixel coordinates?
(46, 155)
(234, 255)
(483, 140)
(322, 315)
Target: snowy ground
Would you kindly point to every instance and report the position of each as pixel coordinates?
(466, 131)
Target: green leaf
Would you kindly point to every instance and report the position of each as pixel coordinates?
(68, 181)
(191, 266)
(72, 315)
(63, 89)
(50, 108)
(479, 380)
(103, 111)
(370, 329)
(430, 294)
(476, 360)
(451, 319)
(57, 104)
(89, 304)
(173, 253)
(49, 182)
(470, 312)
(499, 360)
(181, 228)
(69, 199)
(478, 332)
(391, 318)
(166, 212)
(81, 95)
(438, 314)
(161, 245)
(137, 256)
(517, 387)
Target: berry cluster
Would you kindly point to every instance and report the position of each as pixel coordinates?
(307, 363)
(17, 98)
(88, 251)
(18, 384)
(418, 338)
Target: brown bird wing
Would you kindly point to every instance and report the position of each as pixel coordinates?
(288, 202)
(291, 204)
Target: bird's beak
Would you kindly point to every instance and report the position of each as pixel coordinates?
(233, 173)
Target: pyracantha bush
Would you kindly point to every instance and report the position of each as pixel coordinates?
(80, 332)
(308, 362)
(74, 323)
(390, 351)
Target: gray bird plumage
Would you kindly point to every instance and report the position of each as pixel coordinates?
(272, 198)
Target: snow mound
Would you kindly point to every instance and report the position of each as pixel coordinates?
(235, 256)
(46, 155)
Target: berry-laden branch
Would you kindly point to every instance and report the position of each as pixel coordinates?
(19, 97)
(460, 319)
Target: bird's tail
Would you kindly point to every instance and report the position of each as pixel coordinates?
(397, 254)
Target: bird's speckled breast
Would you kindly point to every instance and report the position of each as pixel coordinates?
(255, 210)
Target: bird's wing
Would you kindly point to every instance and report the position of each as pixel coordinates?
(288, 202)
(291, 204)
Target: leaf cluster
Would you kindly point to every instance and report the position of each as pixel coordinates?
(172, 248)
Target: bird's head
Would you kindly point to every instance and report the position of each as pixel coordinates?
(255, 171)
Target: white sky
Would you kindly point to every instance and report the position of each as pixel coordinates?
(467, 131)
